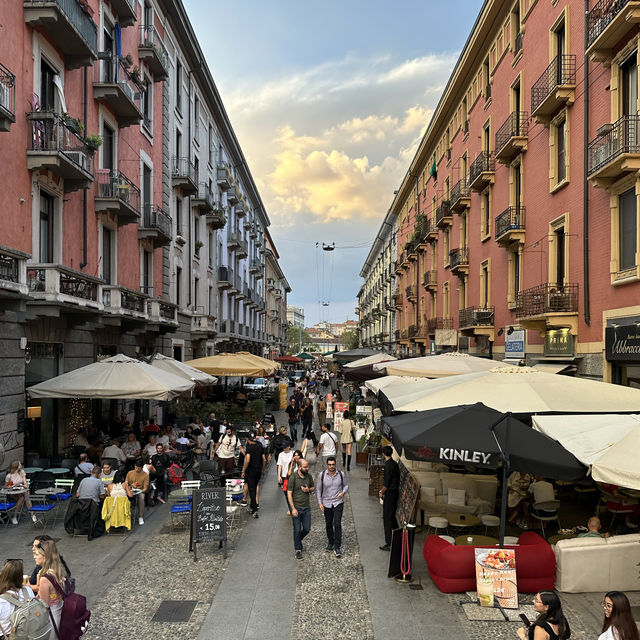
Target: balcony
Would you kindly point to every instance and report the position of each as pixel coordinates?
(510, 226)
(53, 285)
(548, 305)
(184, 176)
(123, 302)
(554, 89)
(430, 280)
(117, 194)
(607, 24)
(162, 315)
(411, 249)
(397, 266)
(240, 209)
(431, 231)
(156, 224)
(477, 321)
(412, 293)
(7, 98)
(126, 10)
(443, 215)
(203, 199)
(460, 198)
(55, 146)
(399, 302)
(68, 26)
(251, 230)
(512, 136)
(13, 278)
(203, 326)
(223, 176)
(482, 172)
(412, 332)
(255, 266)
(225, 278)
(114, 86)
(434, 324)
(459, 261)
(153, 53)
(232, 196)
(614, 152)
(404, 261)
(217, 217)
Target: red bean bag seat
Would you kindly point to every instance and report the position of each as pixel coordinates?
(452, 568)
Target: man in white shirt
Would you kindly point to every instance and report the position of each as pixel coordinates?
(114, 451)
(328, 445)
(225, 450)
(283, 462)
(542, 492)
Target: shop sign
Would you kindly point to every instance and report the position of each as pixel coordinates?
(514, 345)
(558, 342)
(622, 343)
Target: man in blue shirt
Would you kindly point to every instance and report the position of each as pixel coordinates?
(330, 490)
(92, 487)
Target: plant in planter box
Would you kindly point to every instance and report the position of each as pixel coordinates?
(197, 246)
(93, 141)
(126, 61)
(74, 124)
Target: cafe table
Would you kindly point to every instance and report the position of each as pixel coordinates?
(58, 471)
(480, 541)
(29, 470)
(49, 491)
(462, 520)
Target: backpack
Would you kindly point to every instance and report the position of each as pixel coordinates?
(74, 619)
(30, 620)
(175, 475)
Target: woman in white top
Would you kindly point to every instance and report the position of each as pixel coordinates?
(618, 620)
(11, 582)
(16, 482)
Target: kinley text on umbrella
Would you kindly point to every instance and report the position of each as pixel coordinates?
(464, 455)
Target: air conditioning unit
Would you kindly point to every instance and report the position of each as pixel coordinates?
(80, 158)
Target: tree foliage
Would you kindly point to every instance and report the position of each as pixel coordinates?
(349, 339)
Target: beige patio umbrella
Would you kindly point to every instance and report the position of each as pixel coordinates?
(608, 443)
(394, 383)
(363, 362)
(118, 377)
(440, 366)
(170, 365)
(266, 362)
(523, 390)
(232, 364)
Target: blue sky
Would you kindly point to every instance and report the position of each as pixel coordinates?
(329, 101)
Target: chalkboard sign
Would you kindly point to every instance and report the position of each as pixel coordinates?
(208, 515)
(408, 495)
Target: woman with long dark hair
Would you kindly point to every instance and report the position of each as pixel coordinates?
(618, 620)
(550, 623)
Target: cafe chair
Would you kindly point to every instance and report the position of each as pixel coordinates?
(207, 472)
(42, 510)
(6, 512)
(619, 509)
(43, 479)
(545, 512)
(490, 522)
(438, 523)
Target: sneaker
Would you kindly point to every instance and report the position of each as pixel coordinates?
(14, 520)
(243, 503)
(255, 514)
(339, 553)
(33, 517)
(298, 555)
(329, 547)
(140, 520)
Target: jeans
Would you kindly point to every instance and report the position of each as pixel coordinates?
(333, 523)
(301, 527)
(293, 431)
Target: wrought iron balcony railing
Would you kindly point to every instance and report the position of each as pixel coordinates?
(510, 219)
(601, 16)
(7, 98)
(458, 258)
(548, 297)
(477, 317)
(614, 140)
(515, 126)
(439, 323)
(561, 72)
(482, 165)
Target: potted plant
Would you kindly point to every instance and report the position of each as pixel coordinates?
(135, 75)
(126, 61)
(197, 246)
(93, 141)
(73, 124)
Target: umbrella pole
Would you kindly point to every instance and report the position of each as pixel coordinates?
(505, 481)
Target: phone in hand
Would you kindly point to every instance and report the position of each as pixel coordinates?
(525, 620)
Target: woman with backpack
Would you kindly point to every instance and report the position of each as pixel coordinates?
(11, 586)
(46, 555)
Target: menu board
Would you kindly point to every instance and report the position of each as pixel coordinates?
(338, 410)
(496, 577)
(408, 496)
(209, 511)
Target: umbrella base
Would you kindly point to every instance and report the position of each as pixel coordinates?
(404, 579)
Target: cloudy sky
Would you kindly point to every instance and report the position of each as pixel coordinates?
(329, 101)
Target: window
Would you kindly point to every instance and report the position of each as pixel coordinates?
(445, 245)
(516, 33)
(108, 147)
(462, 293)
(179, 216)
(484, 284)
(629, 77)
(211, 246)
(196, 286)
(178, 144)
(514, 276)
(147, 272)
(445, 300)
(486, 137)
(47, 90)
(196, 120)
(179, 87)
(561, 158)
(627, 230)
(485, 211)
(559, 238)
(147, 193)
(107, 255)
(47, 204)
(486, 79)
(179, 286)
(147, 105)
(210, 301)
(211, 145)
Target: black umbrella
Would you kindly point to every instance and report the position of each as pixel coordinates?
(483, 437)
(360, 374)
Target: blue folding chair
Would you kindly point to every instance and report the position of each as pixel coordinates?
(42, 510)
(6, 511)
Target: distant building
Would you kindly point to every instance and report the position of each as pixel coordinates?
(295, 316)
(334, 328)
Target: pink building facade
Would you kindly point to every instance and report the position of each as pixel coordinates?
(517, 221)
